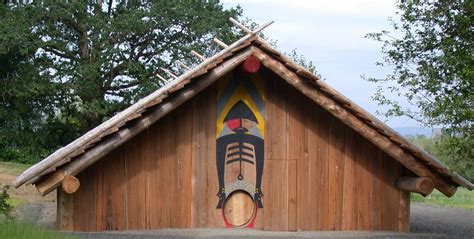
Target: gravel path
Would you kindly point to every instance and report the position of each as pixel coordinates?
(452, 222)
(426, 220)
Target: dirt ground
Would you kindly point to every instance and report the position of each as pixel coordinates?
(425, 219)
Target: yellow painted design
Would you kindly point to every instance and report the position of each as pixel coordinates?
(241, 93)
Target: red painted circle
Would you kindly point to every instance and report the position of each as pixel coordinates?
(251, 65)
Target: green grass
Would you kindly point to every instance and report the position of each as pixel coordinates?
(16, 202)
(27, 231)
(462, 199)
(12, 168)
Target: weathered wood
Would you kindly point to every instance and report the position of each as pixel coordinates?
(376, 123)
(350, 120)
(220, 43)
(65, 212)
(84, 139)
(404, 212)
(47, 185)
(70, 184)
(312, 135)
(275, 175)
(198, 55)
(169, 72)
(423, 186)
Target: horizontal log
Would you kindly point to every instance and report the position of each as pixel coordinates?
(423, 186)
(92, 155)
(70, 184)
(353, 122)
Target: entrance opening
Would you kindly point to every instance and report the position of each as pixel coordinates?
(239, 209)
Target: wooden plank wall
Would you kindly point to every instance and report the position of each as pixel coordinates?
(318, 174)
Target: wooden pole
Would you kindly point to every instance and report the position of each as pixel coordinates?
(240, 25)
(162, 78)
(198, 55)
(353, 122)
(184, 65)
(169, 72)
(220, 43)
(423, 186)
(65, 153)
(92, 155)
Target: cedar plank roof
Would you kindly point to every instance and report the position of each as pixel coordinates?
(51, 167)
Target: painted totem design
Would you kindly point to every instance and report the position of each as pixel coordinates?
(240, 136)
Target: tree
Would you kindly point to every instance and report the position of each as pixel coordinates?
(431, 52)
(71, 65)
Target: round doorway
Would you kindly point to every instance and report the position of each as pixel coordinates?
(239, 209)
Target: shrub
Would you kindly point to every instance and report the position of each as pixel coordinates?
(5, 207)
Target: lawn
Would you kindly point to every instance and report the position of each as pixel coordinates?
(12, 168)
(27, 231)
(463, 199)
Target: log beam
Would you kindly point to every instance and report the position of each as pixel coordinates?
(423, 186)
(92, 155)
(70, 184)
(353, 122)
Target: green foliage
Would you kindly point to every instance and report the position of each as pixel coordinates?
(27, 231)
(68, 66)
(462, 199)
(454, 152)
(432, 61)
(5, 207)
(431, 52)
(302, 61)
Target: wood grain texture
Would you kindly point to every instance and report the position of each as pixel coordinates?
(318, 174)
(65, 211)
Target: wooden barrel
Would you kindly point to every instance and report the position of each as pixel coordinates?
(239, 209)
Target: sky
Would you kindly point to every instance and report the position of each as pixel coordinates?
(331, 35)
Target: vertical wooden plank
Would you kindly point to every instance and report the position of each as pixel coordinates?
(174, 191)
(165, 140)
(335, 162)
(393, 172)
(363, 175)
(377, 177)
(65, 210)
(322, 168)
(136, 181)
(84, 208)
(214, 216)
(295, 146)
(304, 185)
(404, 212)
(184, 158)
(199, 166)
(349, 211)
(154, 177)
(315, 177)
(276, 163)
(119, 190)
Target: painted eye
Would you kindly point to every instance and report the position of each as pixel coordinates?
(233, 124)
(248, 124)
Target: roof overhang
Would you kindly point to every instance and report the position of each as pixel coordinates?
(92, 146)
